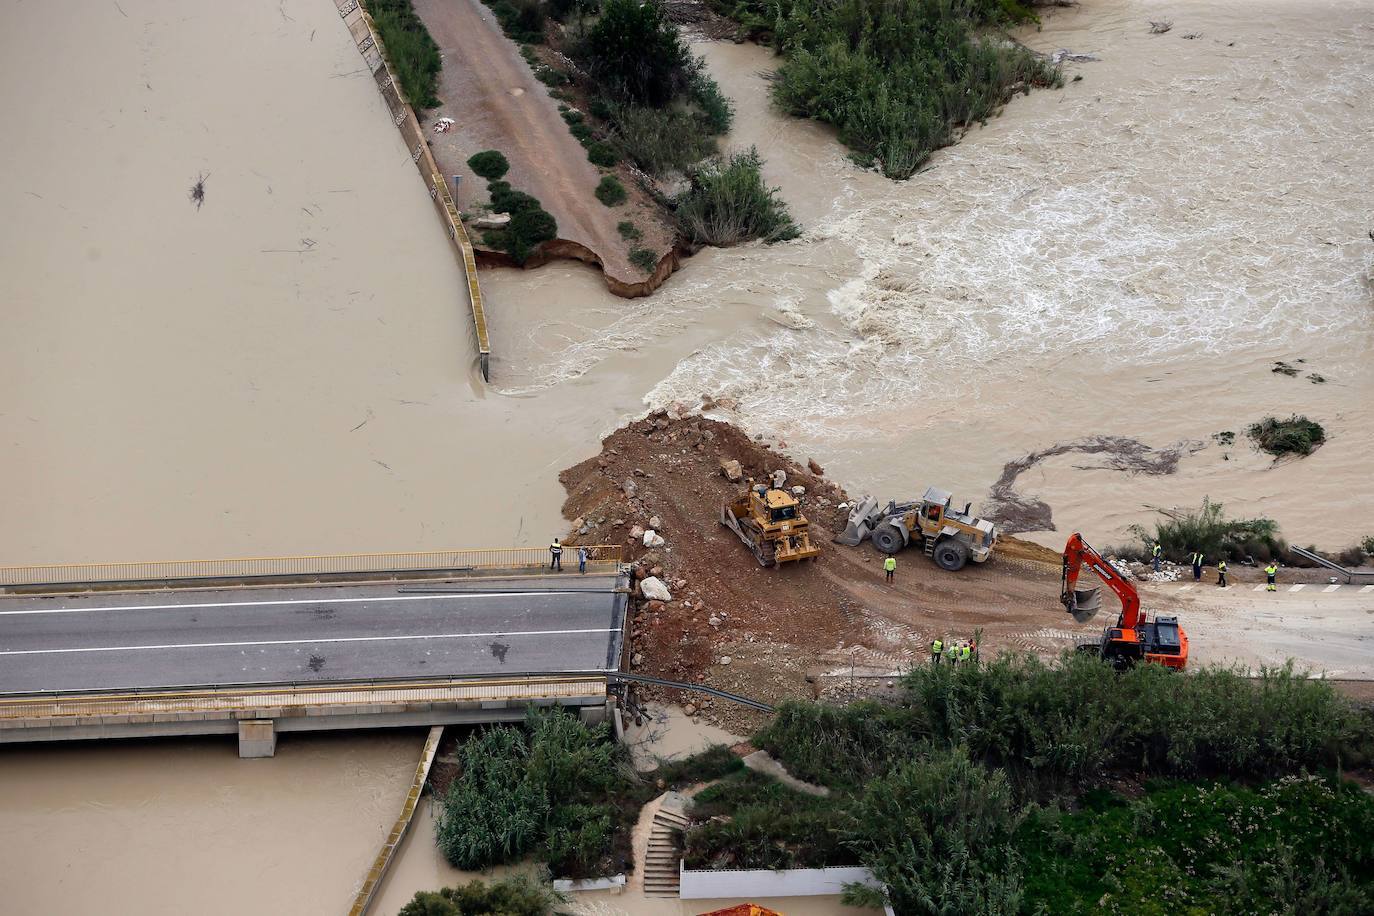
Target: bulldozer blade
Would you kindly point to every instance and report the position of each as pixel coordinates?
(860, 526)
(1086, 603)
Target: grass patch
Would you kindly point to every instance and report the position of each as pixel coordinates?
(489, 164)
(728, 203)
(1294, 436)
(412, 53)
(900, 79)
(610, 191)
(644, 259)
(1209, 530)
(628, 230)
(753, 821)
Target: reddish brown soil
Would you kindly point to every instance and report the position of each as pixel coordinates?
(784, 628)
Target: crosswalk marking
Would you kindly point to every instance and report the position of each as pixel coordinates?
(1296, 588)
(1366, 588)
(1260, 588)
(1331, 588)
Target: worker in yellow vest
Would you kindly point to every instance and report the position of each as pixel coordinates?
(1221, 573)
(890, 567)
(1271, 573)
(937, 646)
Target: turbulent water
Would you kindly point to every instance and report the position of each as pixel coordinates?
(1125, 256)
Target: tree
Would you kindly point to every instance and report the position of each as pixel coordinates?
(638, 54)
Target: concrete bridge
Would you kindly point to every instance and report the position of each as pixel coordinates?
(458, 644)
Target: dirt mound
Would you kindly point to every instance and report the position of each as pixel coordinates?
(781, 632)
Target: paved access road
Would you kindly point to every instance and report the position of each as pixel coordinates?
(174, 638)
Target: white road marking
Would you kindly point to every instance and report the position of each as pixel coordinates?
(1366, 588)
(1296, 588)
(1260, 588)
(176, 607)
(1331, 588)
(299, 642)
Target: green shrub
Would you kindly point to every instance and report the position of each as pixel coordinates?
(610, 191)
(938, 834)
(571, 116)
(1294, 436)
(660, 141)
(495, 813)
(1299, 845)
(753, 821)
(644, 259)
(551, 77)
(843, 746)
(580, 131)
(521, 20)
(636, 54)
(412, 53)
(598, 107)
(728, 203)
(530, 224)
(513, 202)
(1209, 530)
(602, 154)
(489, 164)
(896, 79)
(629, 230)
(1367, 545)
(717, 112)
(518, 895)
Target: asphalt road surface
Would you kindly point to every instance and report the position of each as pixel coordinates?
(310, 633)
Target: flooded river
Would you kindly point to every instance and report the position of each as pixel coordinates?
(288, 368)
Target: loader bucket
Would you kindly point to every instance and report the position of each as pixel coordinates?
(861, 519)
(1086, 603)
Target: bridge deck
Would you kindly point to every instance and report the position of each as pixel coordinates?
(309, 634)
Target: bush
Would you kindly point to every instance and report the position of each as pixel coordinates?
(601, 154)
(897, 79)
(1210, 531)
(636, 55)
(938, 834)
(1367, 545)
(629, 230)
(517, 895)
(753, 821)
(660, 141)
(412, 53)
(728, 203)
(610, 191)
(521, 20)
(582, 132)
(644, 259)
(489, 164)
(530, 224)
(717, 112)
(1294, 436)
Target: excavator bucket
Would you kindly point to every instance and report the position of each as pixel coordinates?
(1086, 603)
(861, 520)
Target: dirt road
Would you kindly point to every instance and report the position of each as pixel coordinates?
(490, 91)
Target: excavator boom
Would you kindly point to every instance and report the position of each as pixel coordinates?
(1134, 638)
(1084, 604)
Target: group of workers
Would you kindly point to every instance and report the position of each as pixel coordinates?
(963, 651)
(1196, 558)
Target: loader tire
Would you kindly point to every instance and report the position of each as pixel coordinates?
(888, 538)
(951, 555)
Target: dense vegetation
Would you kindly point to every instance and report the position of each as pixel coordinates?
(897, 78)
(518, 895)
(610, 191)
(990, 789)
(554, 789)
(1209, 530)
(412, 53)
(1294, 436)
(727, 202)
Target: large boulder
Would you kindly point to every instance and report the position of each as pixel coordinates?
(732, 470)
(654, 589)
(652, 538)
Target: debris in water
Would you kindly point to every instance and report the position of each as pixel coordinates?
(1316, 378)
(1283, 368)
(198, 190)
(444, 125)
(1064, 54)
(1159, 28)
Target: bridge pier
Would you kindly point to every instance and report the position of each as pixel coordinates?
(257, 738)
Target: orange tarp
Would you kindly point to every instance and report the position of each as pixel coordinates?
(744, 909)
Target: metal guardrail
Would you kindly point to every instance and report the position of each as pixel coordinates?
(1323, 561)
(603, 556)
(622, 678)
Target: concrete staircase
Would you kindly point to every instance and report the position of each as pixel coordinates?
(662, 861)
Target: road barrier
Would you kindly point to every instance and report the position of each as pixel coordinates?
(603, 557)
(403, 116)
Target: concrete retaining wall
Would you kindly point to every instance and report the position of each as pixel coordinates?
(794, 882)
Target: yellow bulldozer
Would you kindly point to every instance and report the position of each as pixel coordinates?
(770, 523)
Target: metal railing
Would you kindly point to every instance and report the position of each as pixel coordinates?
(1349, 574)
(603, 557)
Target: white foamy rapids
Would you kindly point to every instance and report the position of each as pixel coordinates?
(1147, 223)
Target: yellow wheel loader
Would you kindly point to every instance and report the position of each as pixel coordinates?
(947, 535)
(770, 523)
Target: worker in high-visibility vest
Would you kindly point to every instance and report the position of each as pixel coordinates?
(1271, 574)
(937, 646)
(1221, 573)
(1196, 559)
(556, 555)
(890, 567)
(1156, 553)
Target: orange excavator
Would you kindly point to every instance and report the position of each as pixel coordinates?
(1134, 638)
